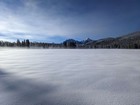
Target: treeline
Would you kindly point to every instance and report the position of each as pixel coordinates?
(130, 41)
(28, 44)
(25, 43)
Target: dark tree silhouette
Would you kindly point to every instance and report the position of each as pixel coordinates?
(18, 43)
(27, 43)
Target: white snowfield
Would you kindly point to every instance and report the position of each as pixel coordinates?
(69, 77)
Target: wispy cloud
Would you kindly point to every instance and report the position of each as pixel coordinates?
(47, 19)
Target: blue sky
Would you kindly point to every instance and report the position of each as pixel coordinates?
(57, 20)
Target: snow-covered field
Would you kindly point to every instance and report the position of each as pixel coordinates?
(69, 77)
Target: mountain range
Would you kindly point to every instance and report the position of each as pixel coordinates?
(129, 41)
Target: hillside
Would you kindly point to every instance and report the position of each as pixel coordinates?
(129, 41)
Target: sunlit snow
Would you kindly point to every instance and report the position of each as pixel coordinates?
(69, 77)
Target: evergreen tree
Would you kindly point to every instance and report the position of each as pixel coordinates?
(27, 43)
(18, 43)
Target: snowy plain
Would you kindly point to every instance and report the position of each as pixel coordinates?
(69, 77)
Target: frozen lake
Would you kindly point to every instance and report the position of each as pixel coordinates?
(69, 77)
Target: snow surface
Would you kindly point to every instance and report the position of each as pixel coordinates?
(69, 77)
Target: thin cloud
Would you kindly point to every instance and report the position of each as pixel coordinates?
(45, 19)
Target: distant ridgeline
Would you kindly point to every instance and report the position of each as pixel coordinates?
(130, 41)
